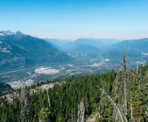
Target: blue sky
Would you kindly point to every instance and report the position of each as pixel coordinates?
(72, 19)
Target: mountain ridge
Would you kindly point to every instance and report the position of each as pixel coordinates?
(31, 50)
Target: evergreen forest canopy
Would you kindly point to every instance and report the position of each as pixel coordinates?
(114, 96)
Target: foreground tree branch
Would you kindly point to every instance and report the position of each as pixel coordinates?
(117, 109)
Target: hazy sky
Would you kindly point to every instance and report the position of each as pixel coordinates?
(71, 19)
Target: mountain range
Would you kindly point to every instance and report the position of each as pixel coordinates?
(109, 48)
(5, 88)
(45, 59)
(18, 50)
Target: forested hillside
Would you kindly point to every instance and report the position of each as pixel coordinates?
(18, 50)
(114, 96)
(5, 88)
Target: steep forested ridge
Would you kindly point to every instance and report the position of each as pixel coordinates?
(5, 88)
(100, 93)
(18, 50)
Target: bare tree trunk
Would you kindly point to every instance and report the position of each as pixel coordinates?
(125, 97)
(124, 62)
(115, 114)
(81, 112)
(137, 69)
(48, 99)
(116, 95)
(24, 102)
(116, 118)
(125, 85)
(117, 109)
(116, 86)
(132, 117)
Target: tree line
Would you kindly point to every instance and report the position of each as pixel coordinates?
(120, 96)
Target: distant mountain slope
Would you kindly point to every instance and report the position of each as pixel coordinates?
(84, 50)
(83, 46)
(20, 50)
(107, 45)
(99, 43)
(135, 49)
(5, 88)
(132, 45)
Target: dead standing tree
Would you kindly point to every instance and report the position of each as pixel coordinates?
(116, 95)
(125, 110)
(115, 105)
(45, 112)
(48, 98)
(24, 103)
(81, 112)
